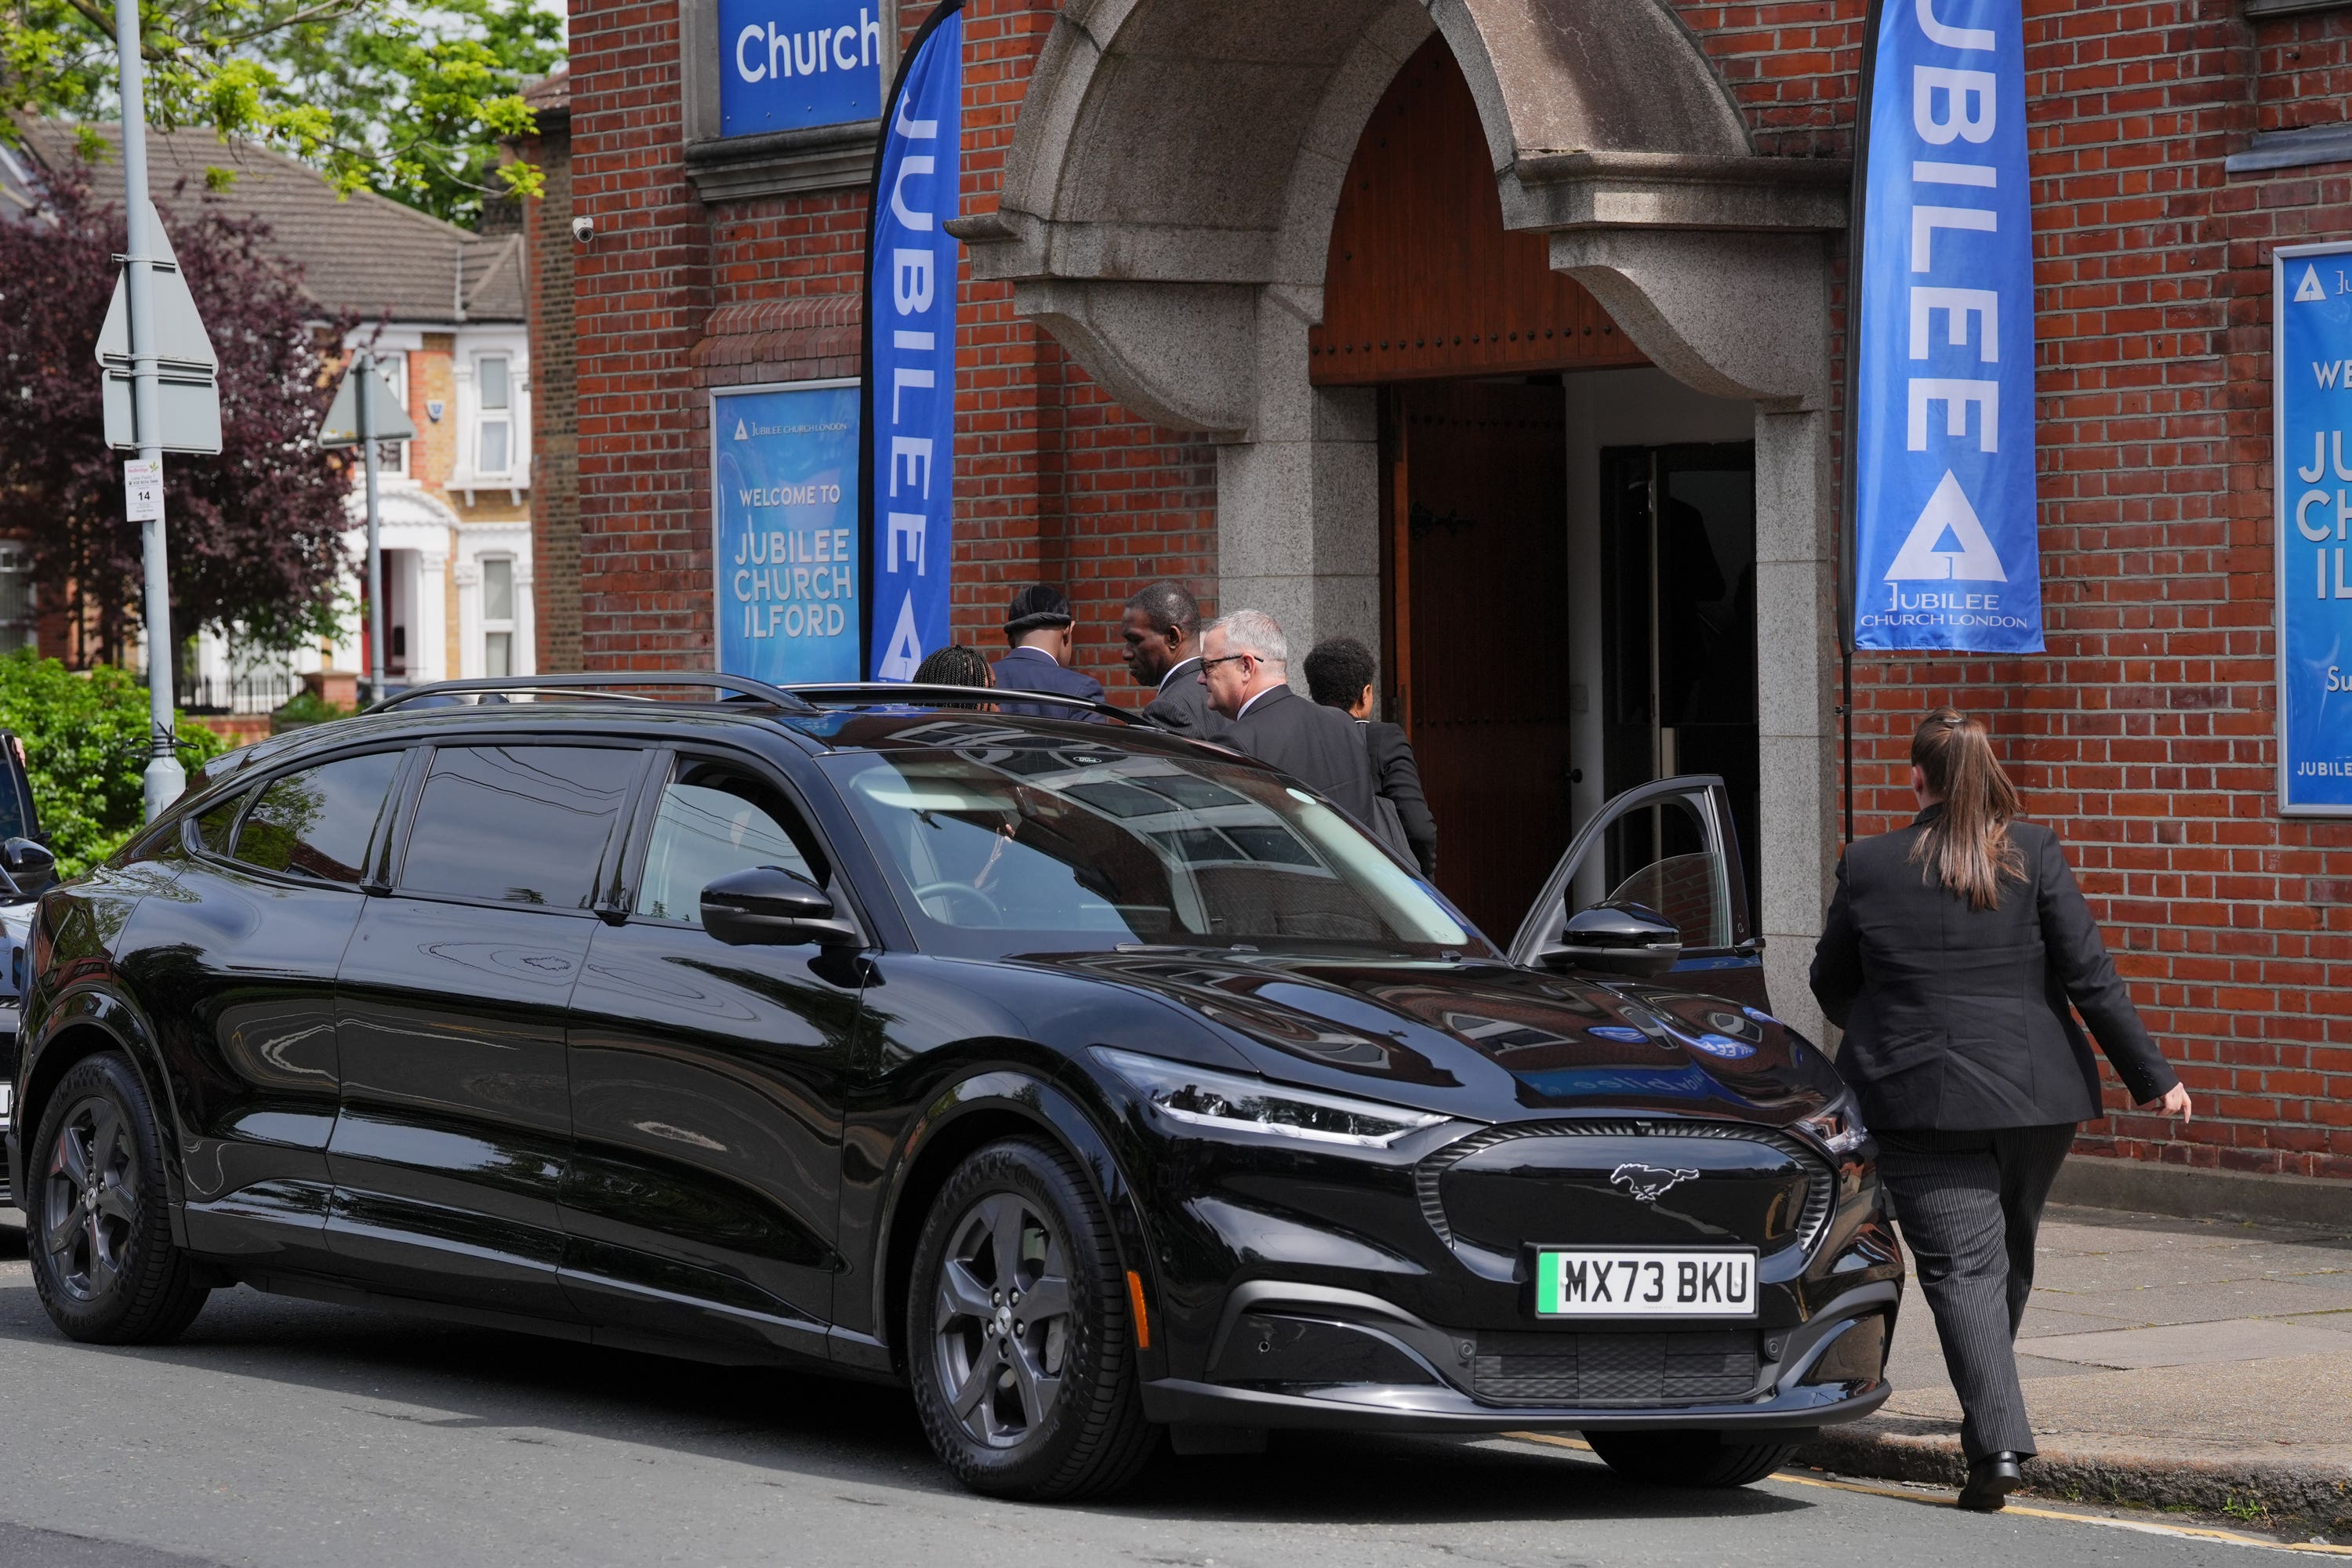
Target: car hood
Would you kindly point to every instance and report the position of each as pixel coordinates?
(1488, 1040)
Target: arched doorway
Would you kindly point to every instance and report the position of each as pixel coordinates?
(1167, 212)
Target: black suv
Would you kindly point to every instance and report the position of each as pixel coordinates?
(1086, 1080)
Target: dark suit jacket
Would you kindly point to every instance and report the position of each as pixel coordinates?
(1397, 775)
(1958, 1019)
(1182, 706)
(1034, 669)
(1314, 745)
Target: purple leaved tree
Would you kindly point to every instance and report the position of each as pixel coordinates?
(255, 533)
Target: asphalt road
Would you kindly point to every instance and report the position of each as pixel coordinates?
(284, 1432)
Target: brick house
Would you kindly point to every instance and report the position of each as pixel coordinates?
(1507, 335)
(443, 311)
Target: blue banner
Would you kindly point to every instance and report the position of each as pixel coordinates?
(784, 489)
(786, 65)
(911, 319)
(1947, 552)
(2311, 367)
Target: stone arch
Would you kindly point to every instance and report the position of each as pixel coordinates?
(1166, 212)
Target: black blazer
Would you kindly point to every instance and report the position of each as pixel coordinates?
(1314, 745)
(1034, 669)
(1182, 705)
(1396, 775)
(1958, 1019)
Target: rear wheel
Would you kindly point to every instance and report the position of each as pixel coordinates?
(95, 1216)
(1022, 1357)
(1683, 1458)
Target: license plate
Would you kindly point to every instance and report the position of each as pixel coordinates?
(1641, 1282)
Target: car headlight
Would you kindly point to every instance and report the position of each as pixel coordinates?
(1838, 1128)
(1231, 1103)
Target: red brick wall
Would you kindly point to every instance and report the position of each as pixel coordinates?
(2143, 734)
(1053, 481)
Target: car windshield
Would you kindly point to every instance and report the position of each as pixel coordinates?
(1034, 843)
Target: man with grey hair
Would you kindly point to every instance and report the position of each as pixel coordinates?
(1245, 661)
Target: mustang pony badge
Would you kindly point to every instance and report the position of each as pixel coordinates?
(1647, 1183)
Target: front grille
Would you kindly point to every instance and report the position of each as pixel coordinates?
(1607, 1369)
(1556, 1195)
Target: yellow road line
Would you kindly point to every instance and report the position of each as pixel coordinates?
(1930, 1499)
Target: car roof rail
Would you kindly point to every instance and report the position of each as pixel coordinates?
(615, 685)
(859, 693)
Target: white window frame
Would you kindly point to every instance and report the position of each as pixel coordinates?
(485, 416)
(473, 352)
(511, 624)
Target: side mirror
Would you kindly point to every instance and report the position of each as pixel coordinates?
(1616, 939)
(767, 906)
(28, 864)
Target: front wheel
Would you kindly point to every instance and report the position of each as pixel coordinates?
(1018, 1341)
(95, 1216)
(1683, 1458)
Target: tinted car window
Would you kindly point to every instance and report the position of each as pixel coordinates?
(524, 824)
(715, 823)
(215, 826)
(1067, 845)
(317, 823)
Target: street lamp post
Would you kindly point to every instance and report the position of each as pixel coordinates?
(165, 778)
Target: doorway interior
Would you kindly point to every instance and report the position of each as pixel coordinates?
(1569, 611)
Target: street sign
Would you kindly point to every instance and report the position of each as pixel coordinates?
(142, 491)
(187, 390)
(340, 427)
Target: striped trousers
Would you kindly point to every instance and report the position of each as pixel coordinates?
(1968, 1205)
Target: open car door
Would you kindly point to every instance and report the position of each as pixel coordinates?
(1653, 885)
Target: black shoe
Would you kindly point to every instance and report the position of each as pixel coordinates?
(1990, 1481)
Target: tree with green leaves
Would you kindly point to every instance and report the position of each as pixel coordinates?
(409, 100)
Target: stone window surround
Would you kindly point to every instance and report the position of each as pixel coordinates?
(773, 162)
(508, 541)
(473, 345)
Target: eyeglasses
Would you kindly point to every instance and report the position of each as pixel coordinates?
(1209, 664)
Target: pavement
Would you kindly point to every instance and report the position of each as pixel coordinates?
(2171, 1363)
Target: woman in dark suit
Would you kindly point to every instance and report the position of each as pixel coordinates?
(1953, 950)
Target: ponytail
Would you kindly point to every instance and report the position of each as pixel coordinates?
(1967, 848)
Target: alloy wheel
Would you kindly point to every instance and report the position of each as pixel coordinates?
(91, 1198)
(1002, 1325)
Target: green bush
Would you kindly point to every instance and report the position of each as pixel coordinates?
(85, 750)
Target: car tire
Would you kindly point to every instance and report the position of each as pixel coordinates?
(1683, 1458)
(97, 1223)
(1020, 1405)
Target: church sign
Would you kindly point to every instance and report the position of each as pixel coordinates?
(791, 64)
(2310, 367)
(783, 477)
(1946, 554)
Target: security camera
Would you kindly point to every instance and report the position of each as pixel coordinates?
(582, 230)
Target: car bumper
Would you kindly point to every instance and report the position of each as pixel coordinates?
(1302, 1355)
(1413, 1409)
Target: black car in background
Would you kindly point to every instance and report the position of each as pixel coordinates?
(27, 869)
(1085, 1080)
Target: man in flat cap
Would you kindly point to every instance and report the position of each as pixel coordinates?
(1039, 627)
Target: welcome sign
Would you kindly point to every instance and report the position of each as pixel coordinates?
(784, 489)
(788, 65)
(1946, 550)
(2310, 367)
